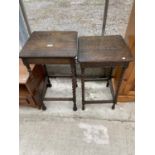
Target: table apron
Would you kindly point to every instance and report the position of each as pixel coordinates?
(48, 60)
(104, 64)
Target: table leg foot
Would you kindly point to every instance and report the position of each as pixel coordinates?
(49, 85)
(43, 107)
(74, 107)
(83, 107)
(107, 85)
(113, 106)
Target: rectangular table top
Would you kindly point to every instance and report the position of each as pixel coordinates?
(103, 49)
(50, 44)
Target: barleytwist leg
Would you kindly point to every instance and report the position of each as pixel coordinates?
(73, 70)
(82, 86)
(75, 61)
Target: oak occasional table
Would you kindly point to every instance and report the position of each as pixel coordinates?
(52, 47)
(103, 52)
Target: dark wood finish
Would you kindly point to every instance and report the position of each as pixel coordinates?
(52, 47)
(99, 49)
(50, 44)
(32, 86)
(58, 99)
(103, 51)
(48, 60)
(98, 101)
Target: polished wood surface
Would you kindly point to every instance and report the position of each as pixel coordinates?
(103, 49)
(46, 44)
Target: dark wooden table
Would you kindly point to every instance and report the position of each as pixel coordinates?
(52, 47)
(103, 52)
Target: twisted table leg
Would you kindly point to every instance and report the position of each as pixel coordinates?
(74, 82)
(82, 86)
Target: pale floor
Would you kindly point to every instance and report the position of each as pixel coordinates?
(60, 131)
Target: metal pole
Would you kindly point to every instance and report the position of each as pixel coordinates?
(105, 16)
(25, 16)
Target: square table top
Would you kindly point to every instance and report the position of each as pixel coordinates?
(46, 44)
(103, 49)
